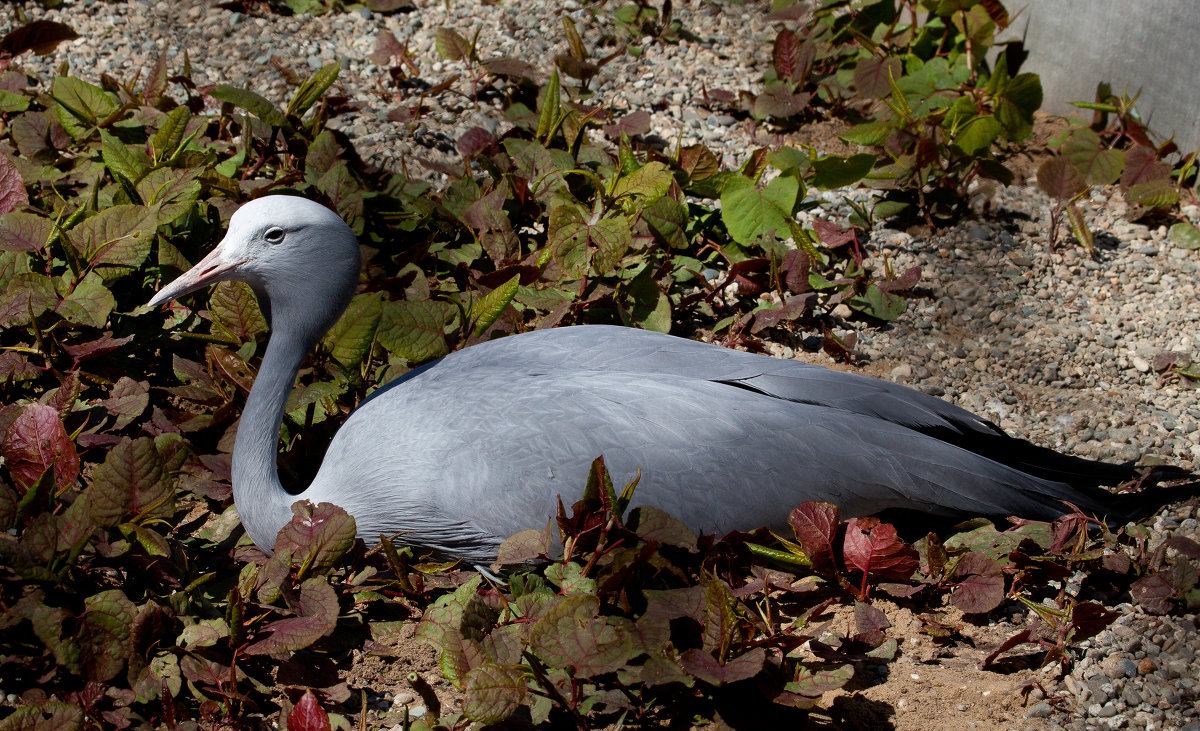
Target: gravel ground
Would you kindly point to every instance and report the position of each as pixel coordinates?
(1057, 347)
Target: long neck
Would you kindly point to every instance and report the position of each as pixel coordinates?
(262, 503)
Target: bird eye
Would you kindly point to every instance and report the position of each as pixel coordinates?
(273, 235)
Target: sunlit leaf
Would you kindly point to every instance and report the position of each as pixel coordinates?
(132, 482)
(316, 609)
(493, 693)
(317, 536)
(485, 311)
(90, 303)
(12, 186)
(351, 338)
(235, 311)
(312, 89)
(123, 161)
(116, 240)
(749, 212)
(80, 106)
(251, 102)
(415, 331)
(308, 715)
(23, 231)
(37, 441)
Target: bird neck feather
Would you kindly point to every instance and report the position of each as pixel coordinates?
(262, 503)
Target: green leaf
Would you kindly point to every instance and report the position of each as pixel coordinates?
(648, 306)
(451, 45)
(350, 340)
(838, 172)
(879, 304)
(668, 220)
(749, 212)
(132, 481)
(171, 191)
(485, 311)
(815, 683)
(1079, 227)
(116, 240)
(1154, 193)
(171, 132)
(576, 240)
(868, 134)
(648, 183)
(123, 161)
(312, 89)
(80, 106)
(493, 693)
(1097, 164)
(251, 102)
(1019, 99)
(978, 134)
(1185, 236)
(416, 331)
(11, 102)
(90, 303)
(570, 635)
(550, 109)
(235, 312)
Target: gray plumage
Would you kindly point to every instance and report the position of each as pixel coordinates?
(466, 451)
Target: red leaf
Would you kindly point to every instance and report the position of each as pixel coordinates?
(106, 344)
(1088, 618)
(475, 141)
(307, 715)
(816, 525)
(37, 441)
(1025, 636)
(1153, 593)
(874, 548)
(981, 588)
(12, 186)
(1141, 166)
(831, 234)
(317, 535)
(705, 667)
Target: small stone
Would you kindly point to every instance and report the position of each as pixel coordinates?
(1146, 666)
(1113, 667)
(843, 311)
(1041, 710)
(961, 707)
(1141, 364)
(1108, 710)
(902, 372)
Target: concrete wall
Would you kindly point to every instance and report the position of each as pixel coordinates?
(1152, 45)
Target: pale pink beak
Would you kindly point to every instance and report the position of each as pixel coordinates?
(211, 269)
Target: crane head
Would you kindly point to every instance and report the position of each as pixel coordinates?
(300, 257)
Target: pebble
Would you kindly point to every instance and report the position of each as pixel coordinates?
(1040, 710)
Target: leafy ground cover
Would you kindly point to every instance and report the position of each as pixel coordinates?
(120, 604)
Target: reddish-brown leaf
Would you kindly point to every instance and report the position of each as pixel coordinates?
(816, 526)
(307, 715)
(12, 186)
(874, 548)
(35, 442)
(1059, 179)
(980, 586)
(40, 36)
